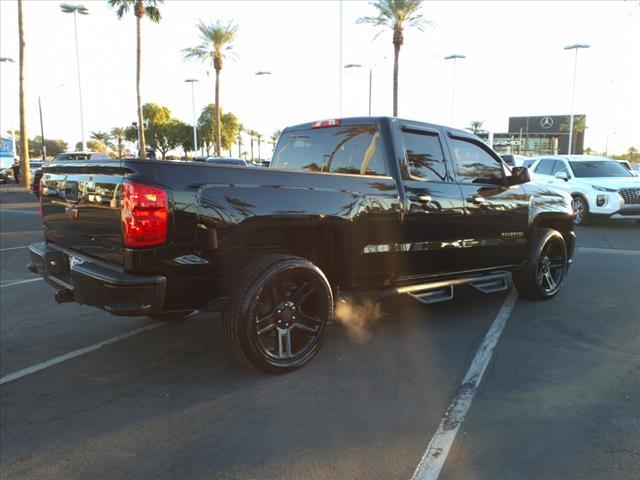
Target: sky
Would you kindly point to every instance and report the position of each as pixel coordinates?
(515, 65)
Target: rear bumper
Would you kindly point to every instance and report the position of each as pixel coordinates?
(89, 282)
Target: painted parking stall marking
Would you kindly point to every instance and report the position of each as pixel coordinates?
(438, 448)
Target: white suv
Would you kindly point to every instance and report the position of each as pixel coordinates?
(599, 186)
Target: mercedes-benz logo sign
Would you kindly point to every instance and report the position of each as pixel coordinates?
(546, 122)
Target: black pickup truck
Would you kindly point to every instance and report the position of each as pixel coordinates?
(377, 204)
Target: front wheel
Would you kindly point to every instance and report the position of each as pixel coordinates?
(546, 266)
(580, 211)
(279, 317)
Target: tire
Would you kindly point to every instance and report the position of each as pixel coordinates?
(580, 210)
(259, 323)
(545, 268)
(171, 316)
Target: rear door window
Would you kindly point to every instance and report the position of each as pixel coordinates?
(353, 149)
(424, 155)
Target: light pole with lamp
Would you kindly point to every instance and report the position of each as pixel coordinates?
(13, 138)
(575, 47)
(193, 108)
(371, 67)
(453, 57)
(82, 10)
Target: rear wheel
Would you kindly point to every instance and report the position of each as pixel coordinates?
(279, 317)
(546, 267)
(580, 211)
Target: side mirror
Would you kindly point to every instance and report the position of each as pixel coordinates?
(563, 175)
(519, 175)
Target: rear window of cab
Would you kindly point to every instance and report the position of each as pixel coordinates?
(351, 149)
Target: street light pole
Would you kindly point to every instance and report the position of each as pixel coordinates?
(82, 10)
(193, 107)
(453, 57)
(44, 147)
(573, 93)
(371, 67)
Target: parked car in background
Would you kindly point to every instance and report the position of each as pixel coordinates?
(628, 166)
(199, 159)
(238, 162)
(6, 169)
(36, 167)
(599, 186)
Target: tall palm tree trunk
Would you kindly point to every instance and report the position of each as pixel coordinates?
(141, 142)
(396, 57)
(252, 148)
(217, 112)
(259, 157)
(24, 141)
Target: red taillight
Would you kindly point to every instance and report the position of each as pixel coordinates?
(144, 213)
(326, 123)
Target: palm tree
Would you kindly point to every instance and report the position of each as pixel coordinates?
(579, 126)
(475, 127)
(239, 140)
(104, 137)
(217, 45)
(396, 15)
(119, 134)
(274, 138)
(24, 141)
(140, 9)
(252, 134)
(259, 138)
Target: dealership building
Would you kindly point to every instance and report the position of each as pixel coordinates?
(542, 135)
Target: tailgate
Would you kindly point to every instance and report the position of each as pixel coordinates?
(81, 207)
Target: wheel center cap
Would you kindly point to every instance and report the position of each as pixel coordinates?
(286, 315)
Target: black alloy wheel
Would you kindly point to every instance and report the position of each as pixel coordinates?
(545, 268)
(552, 266)
(279, 319)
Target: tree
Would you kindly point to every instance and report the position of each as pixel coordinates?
(168, 135)
(230, 128)
(140, 9)
(93, 146)
(252, 134)
(118, 134)
(25, 176)
(396, 15)
(274, 138)
(102, 137)
(632, 154)
(239, 140)
(579, 126)
(217, 45)
(259, 138)
(53, 147)
(475, 127)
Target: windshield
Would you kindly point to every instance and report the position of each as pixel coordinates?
(599, 169)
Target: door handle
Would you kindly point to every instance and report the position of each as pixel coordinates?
(475, 199)
(422, 198)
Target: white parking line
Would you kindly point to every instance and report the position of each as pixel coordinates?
(12, 284)
(76, 353)
(13, 248)
(438, 448)
(613, 251)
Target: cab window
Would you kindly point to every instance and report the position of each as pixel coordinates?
(545, 167)
(424, 156)
(475, 165)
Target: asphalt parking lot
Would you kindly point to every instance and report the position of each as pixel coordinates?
(560, 397)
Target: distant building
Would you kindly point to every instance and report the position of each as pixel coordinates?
(541, 135)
